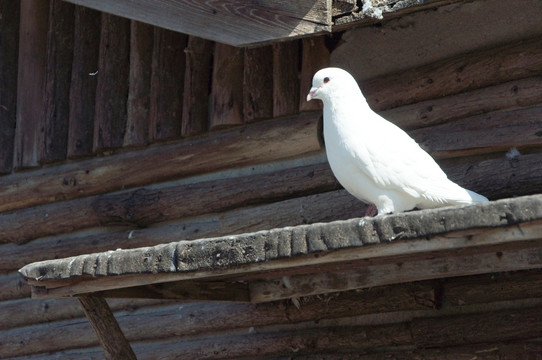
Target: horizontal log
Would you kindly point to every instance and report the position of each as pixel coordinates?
(455, 75)
(257, 143)
(144, 207)
(13, 287)
(26, 311)
(483, 134)
(509, 95)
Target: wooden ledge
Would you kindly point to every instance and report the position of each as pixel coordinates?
(503, 235)
(244, 23)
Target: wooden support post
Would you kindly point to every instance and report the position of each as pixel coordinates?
(107, 329)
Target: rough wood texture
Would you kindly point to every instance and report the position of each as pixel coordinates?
(234, 22)
(30, 82)
(258, 83)
(9, 48)
(504, 223)
(331, 206)
(54, 136)
(286, 78)
(197, 86)
(455, 75)
(226, 108)
(483, 134)
(506, 96)
(315, 56)
(258, 143)
(168, 69)
(83, 81)
(145, 207)
(112, 88)
(138, 120)
(106, 327)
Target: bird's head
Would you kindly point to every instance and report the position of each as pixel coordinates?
(331, 81)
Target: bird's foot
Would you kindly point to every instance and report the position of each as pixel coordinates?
(371, 210)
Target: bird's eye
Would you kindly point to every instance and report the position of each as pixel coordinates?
(326, 80)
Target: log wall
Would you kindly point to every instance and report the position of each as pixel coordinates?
(173, 137)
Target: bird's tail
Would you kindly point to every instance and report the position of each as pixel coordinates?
(475, 197)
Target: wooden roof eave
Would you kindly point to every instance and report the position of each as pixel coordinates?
(504, 235)
(246, 23)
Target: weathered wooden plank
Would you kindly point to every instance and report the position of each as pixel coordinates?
(30, 82)
(83, 81)
(258, 83)
(144, 207)
(185, 290)
(473, 328)
(331, 206)
(261, 142)
(112, 87)
(454, 75)
(53, 138)
(490, 288)
(286, 78)
(315, 56)
(482, 134)
(9, 49)
(233, 22)
(106, 327)
(226, 103)
(197, 86)
(168, 68)
(138, 117)
(399, 271)
(509, 95)
(507, 227)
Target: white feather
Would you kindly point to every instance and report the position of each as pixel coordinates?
(375, 160)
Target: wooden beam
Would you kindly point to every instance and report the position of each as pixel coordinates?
(60, 51)
(106, 327)
(9, 38)
(138, 116)
(233, 22)
(83, 81)
(502, 233)
(34, 24)
(258, 83)
(112, 87)
(168, 70)
(286, 78)
(258, 143)
(197, 86)
(495, 259)
(185, 290)
(226, 103)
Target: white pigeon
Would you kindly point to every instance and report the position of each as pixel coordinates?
(375, 160)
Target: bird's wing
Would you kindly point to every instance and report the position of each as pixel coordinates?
(396, 162)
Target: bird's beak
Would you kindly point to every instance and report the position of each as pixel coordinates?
(312, 93)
